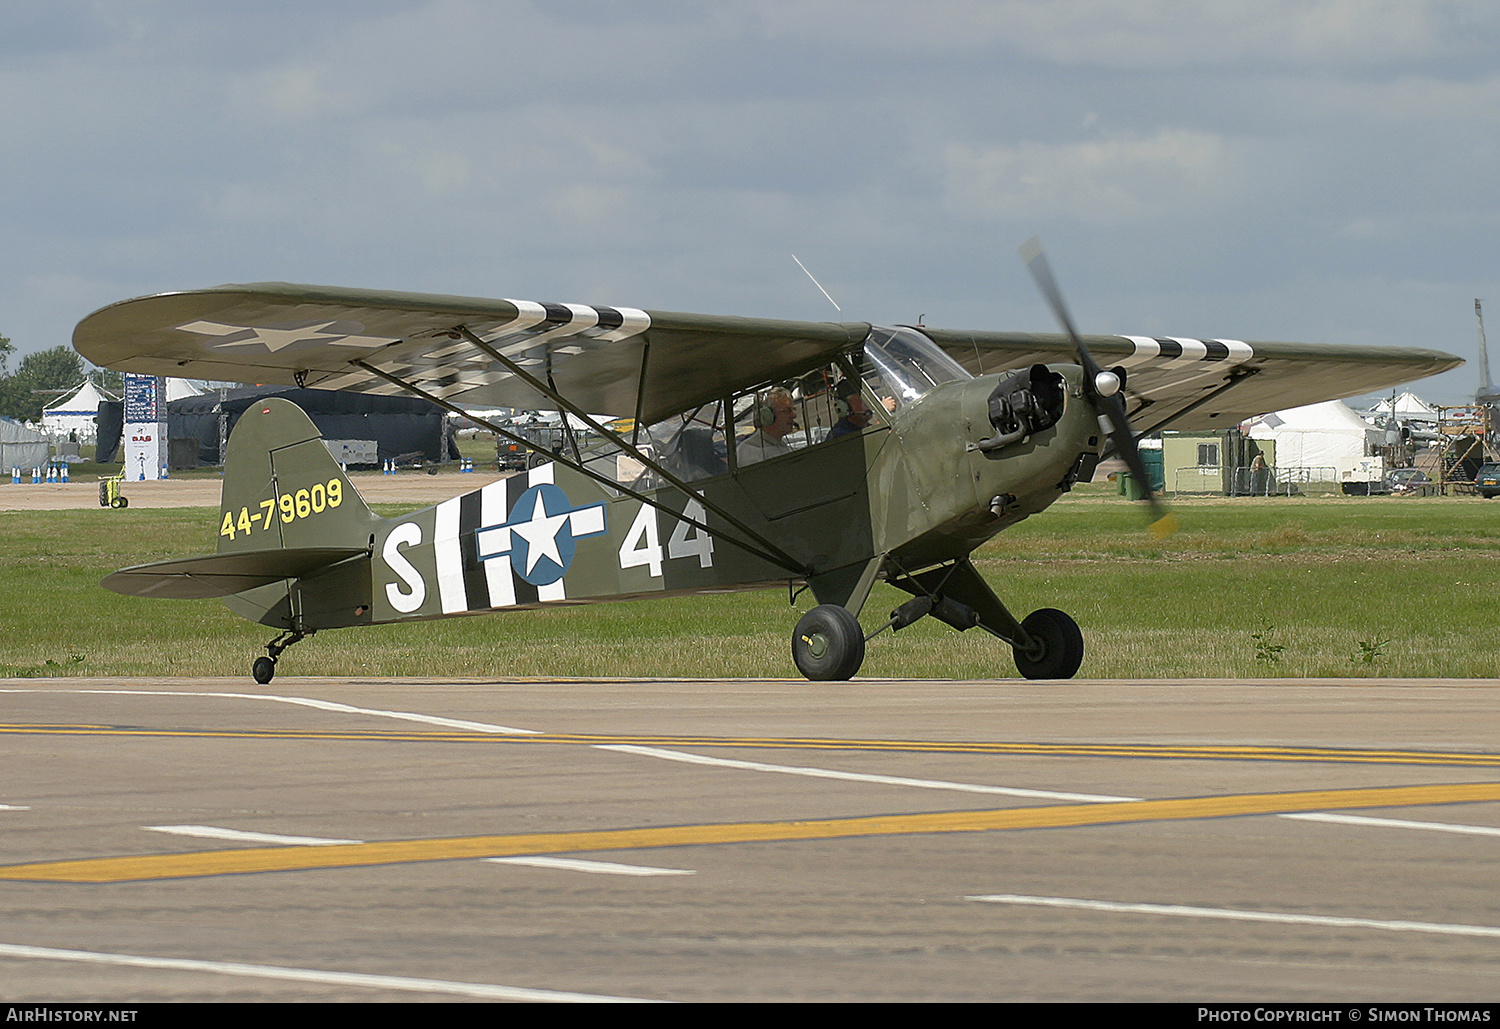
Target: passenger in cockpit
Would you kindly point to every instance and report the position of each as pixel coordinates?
(849, 402)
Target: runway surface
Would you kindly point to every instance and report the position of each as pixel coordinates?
(380, 840)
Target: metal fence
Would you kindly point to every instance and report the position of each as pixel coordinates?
(1249, 481)
(1282, 481)
(1198, 480)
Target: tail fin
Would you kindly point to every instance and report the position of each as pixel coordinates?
(294, 535)
(283, 489)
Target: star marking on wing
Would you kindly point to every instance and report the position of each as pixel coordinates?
(274, 338)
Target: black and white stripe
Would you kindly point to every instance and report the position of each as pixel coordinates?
(465, 583)
(447, 368)
(1177, 351)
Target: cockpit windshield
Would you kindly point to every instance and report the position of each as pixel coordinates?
(902, 364)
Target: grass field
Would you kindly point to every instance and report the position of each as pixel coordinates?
(1249, 588)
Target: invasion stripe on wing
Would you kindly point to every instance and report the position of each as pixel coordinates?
(1177, 349)
(443, 373)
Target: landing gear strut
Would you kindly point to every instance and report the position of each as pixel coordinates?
(1046, 643)
(264, 668)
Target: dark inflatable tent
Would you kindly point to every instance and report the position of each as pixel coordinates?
(400, 426)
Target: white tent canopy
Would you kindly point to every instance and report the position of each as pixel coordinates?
(75, 413)
(1327, 435)
(179, 388)
(1407, 405)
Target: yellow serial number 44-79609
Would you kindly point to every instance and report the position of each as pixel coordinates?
(303, 503)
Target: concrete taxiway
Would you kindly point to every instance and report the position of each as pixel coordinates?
(377, 840)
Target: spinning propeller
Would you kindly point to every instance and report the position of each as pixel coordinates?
(1102, 385)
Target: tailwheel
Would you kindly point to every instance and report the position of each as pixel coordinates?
(264, 668)
(1056, 649)
(827, 644)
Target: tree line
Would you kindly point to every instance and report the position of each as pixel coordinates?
(42, 377)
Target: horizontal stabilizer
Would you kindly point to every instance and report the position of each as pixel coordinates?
(220, 575)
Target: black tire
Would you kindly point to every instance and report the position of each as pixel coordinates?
(120, 502)
(1058, 644)
(264, 670)
(827, 644)
(536, 459)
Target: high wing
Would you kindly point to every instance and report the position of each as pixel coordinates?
(603, 359)
(1179, 383)
(652, 364)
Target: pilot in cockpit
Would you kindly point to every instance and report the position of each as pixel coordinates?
(775, 417)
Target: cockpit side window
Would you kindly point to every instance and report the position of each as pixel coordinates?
(855, 393)
(815, 408)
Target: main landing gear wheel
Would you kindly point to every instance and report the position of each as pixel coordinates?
(827, 644)
(1057, 646)
(263, 670)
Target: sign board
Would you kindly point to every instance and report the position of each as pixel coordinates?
(145, 427)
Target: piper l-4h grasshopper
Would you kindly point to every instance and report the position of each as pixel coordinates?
(761, 452)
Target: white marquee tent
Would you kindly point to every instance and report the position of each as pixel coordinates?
(75, 413)
(1327, 435)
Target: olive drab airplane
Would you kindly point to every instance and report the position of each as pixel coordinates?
(758, 452)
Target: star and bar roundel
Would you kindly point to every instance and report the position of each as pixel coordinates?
(510, 543)
(541, 533)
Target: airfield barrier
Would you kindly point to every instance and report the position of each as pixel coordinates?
(1249, 481)
(1283, 480)
(25, 456)
(1198, 480)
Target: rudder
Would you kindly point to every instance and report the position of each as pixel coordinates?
(282, 488)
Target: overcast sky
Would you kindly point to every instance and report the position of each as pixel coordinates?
(1318, 170)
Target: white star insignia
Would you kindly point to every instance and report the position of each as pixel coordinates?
(540, 533)
(275, 339)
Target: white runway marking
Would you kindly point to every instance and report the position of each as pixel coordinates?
(597, 867)
(486, 991)
(14, 807)
(322, 705)
(827, 773)
(1397, 823)
(213, 832)
(1286, 918)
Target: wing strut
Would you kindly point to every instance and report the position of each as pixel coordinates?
(775, 555)
(564, 404)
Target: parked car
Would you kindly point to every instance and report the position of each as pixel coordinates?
(1407, 480)
(1487, 481)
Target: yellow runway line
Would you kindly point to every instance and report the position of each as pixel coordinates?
(293, 858)
(1152, 751)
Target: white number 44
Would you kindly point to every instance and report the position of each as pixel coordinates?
(642, 544)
